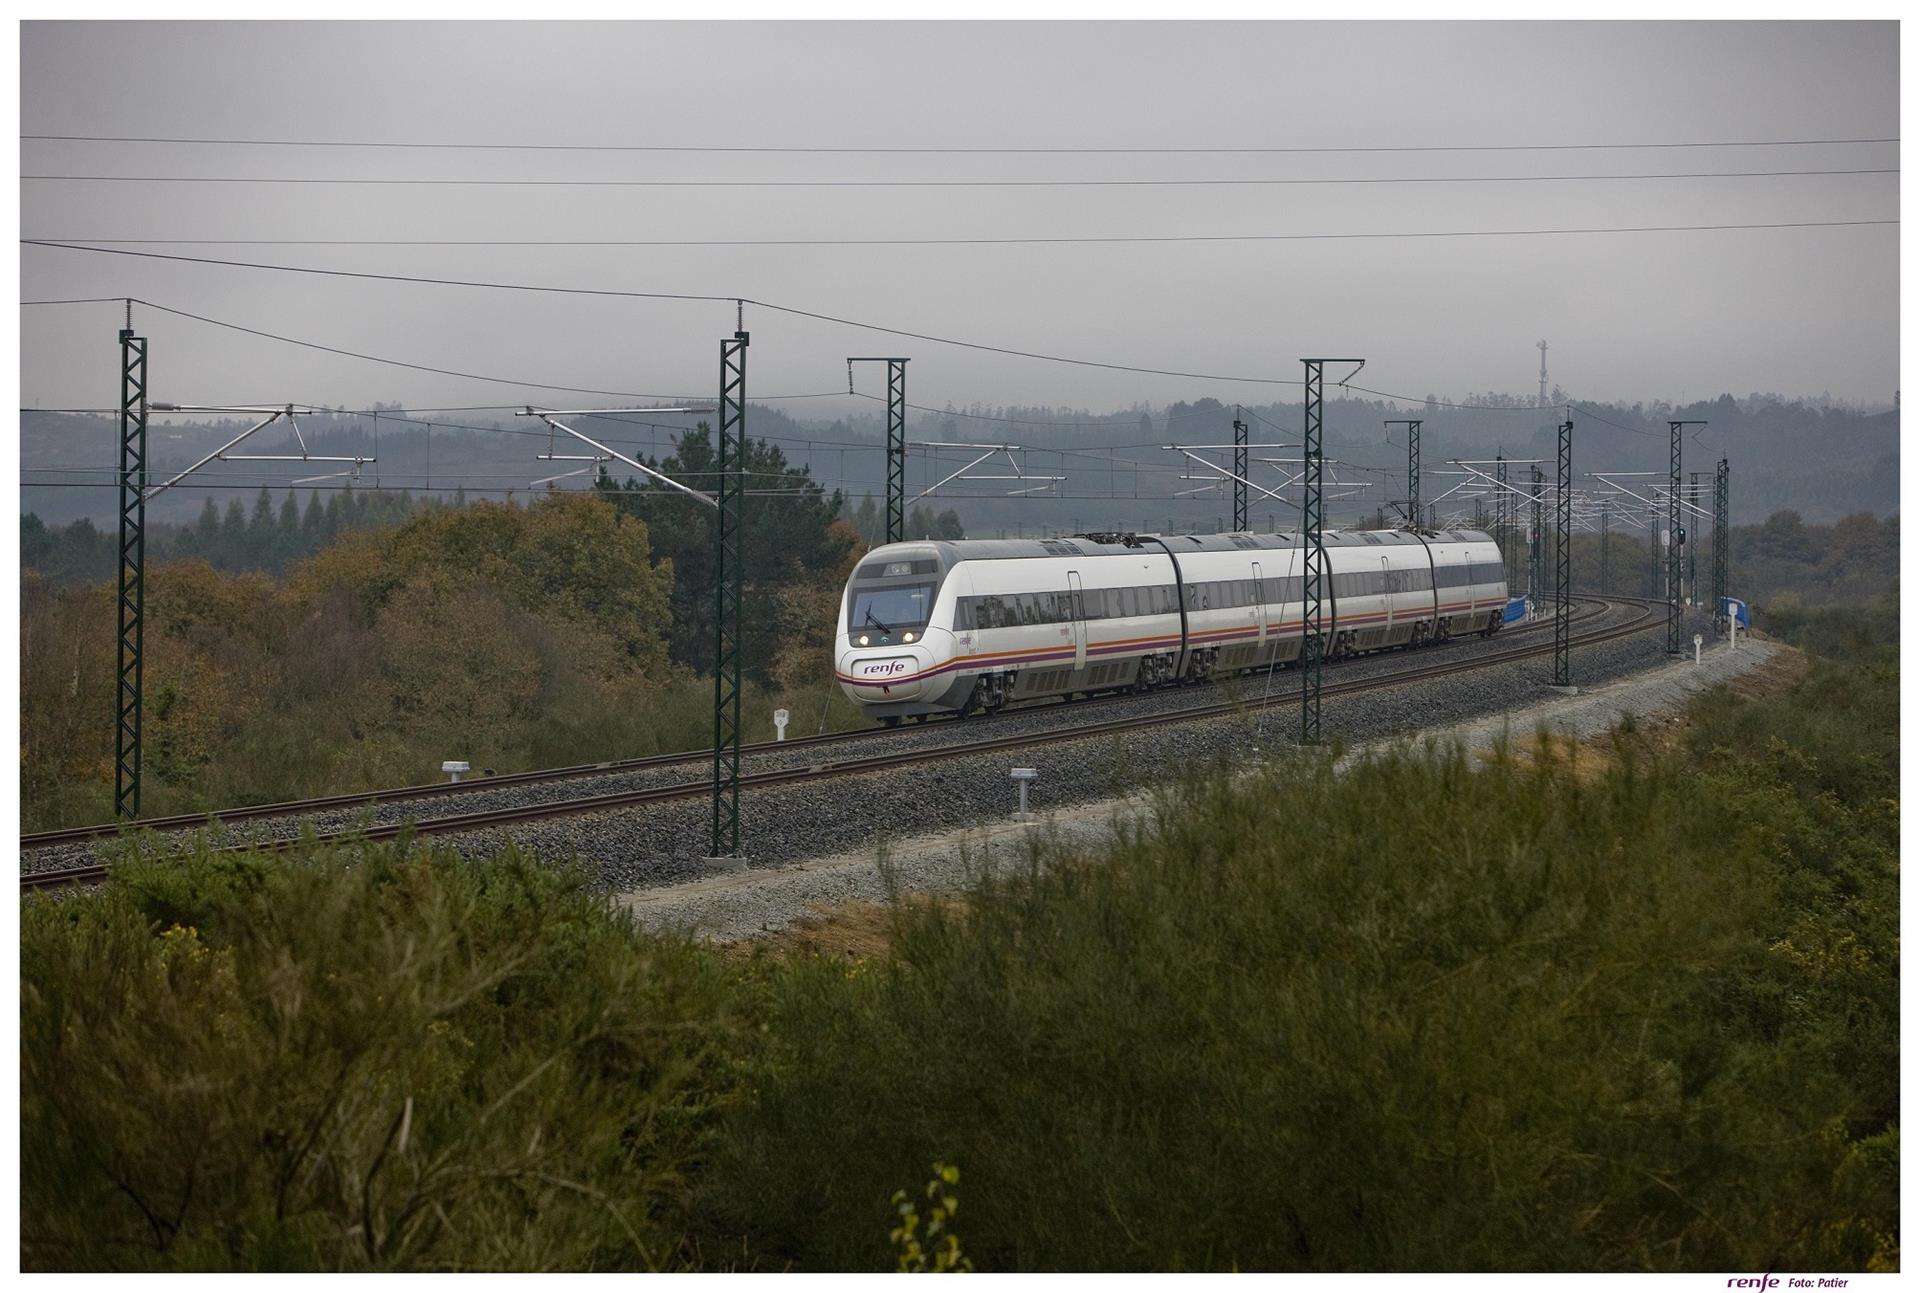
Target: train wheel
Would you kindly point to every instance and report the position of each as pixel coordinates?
(891, 720)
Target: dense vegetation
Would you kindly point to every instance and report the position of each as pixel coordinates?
(507, 636)
(406, 633)
(1627, 1012)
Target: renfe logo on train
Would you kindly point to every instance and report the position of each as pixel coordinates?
(883, 670)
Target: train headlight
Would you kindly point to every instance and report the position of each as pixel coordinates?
(907, 638)
(863, 639)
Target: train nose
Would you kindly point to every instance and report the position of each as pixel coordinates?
(887, 674)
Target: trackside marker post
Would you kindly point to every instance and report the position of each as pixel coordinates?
(1021, 776)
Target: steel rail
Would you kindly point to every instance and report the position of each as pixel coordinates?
(486, 819)
(440, 789)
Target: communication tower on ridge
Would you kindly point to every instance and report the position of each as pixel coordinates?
(1543, 373)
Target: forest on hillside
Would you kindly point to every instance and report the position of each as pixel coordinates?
(509, 635)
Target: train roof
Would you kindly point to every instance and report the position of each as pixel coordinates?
(1119, 545)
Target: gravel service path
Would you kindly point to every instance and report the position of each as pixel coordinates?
(819, 873)
(1032, 718)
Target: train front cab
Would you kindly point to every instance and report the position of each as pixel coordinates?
(895, 643)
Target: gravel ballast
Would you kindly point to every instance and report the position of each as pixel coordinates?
(1633, 677)
(1044, 717)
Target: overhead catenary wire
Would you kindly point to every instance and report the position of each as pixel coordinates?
(1239, 181)
(791, 310)
(623, 293)
(1025, 241)
(888, 150)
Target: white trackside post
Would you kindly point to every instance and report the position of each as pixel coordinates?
(1021, 776)
(453, 768)
(1696, 648)
(779, 724)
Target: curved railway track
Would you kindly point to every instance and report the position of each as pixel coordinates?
(498, 817)
(541, 776)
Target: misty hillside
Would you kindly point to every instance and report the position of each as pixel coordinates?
(1824, 462)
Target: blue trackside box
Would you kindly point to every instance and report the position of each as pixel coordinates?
(1516, 610)
(1738, 609)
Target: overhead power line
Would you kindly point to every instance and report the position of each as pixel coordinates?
(889, 151)
(1234, 182)
(941, 242)
(390, 362)
(620, 293)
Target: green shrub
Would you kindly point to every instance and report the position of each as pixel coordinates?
(403, 1062)
(1417, 1016)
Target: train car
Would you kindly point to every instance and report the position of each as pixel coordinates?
(967, 626)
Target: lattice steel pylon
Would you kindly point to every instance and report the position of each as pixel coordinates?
(1722, 541)
(729, 581)
(1693, 548)
(1413, 470)
(1315, 577)
(1653, 552)
(1501, 507)
(896, 518)
(133, 561)
(1674, 428)
(1239, 472)
(1563, 560)
(1413, 466)
(1536, 545)
(1606, 564)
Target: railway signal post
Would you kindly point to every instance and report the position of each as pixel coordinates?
(896, 438)
(1315, 575)
(133, 561)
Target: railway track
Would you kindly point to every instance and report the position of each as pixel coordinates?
(493, 818)
(505, 781)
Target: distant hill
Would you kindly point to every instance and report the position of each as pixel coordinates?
(1822, 461)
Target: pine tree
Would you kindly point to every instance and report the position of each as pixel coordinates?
(231, 549)
(286, 538)
(313, 526)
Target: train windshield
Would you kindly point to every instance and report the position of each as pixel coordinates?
(890, 610)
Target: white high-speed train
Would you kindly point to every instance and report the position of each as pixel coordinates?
(959, 627)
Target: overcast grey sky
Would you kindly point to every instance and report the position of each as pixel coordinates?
(1669, 315)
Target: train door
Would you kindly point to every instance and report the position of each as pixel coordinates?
(1259, 610)
(1386, 588)
(1078, 621)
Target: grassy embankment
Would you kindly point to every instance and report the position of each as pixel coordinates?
(1536, 1016)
